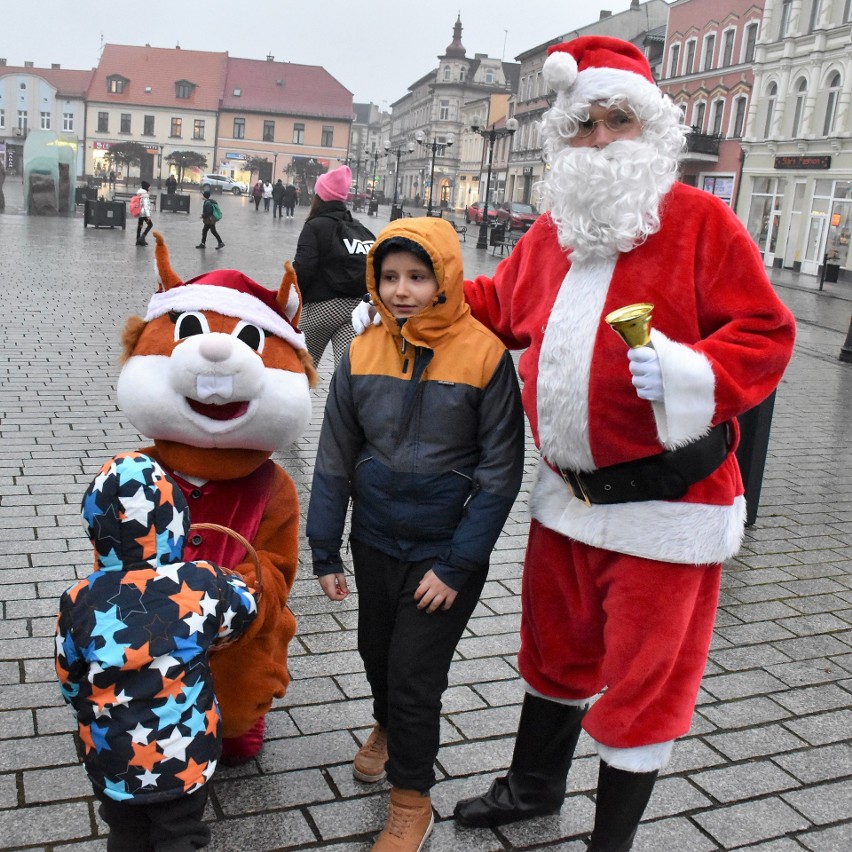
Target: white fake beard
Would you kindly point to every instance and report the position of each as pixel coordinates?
(607, 201)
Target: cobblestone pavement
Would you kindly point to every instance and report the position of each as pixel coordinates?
(768, 762)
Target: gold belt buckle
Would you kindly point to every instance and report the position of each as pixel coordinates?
(576, 484)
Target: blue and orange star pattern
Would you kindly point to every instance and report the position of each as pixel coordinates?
(132, 639)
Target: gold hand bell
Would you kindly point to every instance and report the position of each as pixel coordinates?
(632, 324)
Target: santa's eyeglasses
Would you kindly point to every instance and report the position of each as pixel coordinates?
(615, 120)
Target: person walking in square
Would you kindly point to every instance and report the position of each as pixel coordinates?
(132, 647)
(291, 196)
(211, 213)
(278, 199)
(143, 219)
(267, 195)
(257, 194)
(423, 432)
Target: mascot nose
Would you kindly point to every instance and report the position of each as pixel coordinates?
(216, 347)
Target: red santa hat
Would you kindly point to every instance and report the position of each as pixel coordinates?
(334, 186)
(597, 68)
(233, 294)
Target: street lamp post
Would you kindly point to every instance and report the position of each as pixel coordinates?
(397, 152)
(373, 181)
(420, 136)
(492, 134)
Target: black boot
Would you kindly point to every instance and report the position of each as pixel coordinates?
(535, 784)
(622, 798)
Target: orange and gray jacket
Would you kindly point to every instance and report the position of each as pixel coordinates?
(423, 430)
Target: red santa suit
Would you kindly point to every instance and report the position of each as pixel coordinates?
(639, 579)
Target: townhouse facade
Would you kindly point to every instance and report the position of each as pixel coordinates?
(708, 72)
(41, 99)
(796, 198)
(435, 109)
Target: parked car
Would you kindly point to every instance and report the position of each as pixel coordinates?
(516, 216)
(473, 213)
(221, 183)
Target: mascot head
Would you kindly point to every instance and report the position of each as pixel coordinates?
(217, 373)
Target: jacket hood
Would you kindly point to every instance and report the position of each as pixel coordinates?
(134, 513)
(438, 239)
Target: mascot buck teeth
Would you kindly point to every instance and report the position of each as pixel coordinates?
(218, 375)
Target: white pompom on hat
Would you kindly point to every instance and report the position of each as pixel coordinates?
(596, 68)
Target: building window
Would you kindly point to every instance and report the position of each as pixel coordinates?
(750, 41)
(2, 117)
(183, 89)
(148, 125)
(45, 120)
(831, 104)
(489, 77)
(103, 122)
(461, 75)
(801, 94)
(674, 59)
(709, 47)
(444, 111)
(239, 128)
(67, 121)
(847, 12)
(739, 118)
(771, 100)
(698, 117)
(115, 85)
(446, 72)
(176, 127)
(786, 9)
(327, 139)
(815, 10)
(718, 110)
(23, 121)
(198, 128)
(728, 47)
(268, 131)
(125, 122)
(298, 134)
(689, 64)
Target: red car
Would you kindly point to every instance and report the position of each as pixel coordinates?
(473, 213)
(516, 216)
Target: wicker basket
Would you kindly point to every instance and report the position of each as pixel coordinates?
(251, 555)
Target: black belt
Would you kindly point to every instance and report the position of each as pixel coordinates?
(665, 476)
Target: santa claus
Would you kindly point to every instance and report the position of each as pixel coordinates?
(639, 499)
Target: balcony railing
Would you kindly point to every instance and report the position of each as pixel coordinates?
(703, 143)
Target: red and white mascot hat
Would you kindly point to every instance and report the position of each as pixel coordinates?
(232, 294)
(597, 68)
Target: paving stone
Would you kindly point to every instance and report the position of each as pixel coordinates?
(824, 763)
(824, 727)
(838, 839)
(276, 829)
(241, 796)
(744, 712)
(45, 824)
(734, 783)
(668, 835)
(737, 825)
(755, 742)
(825, 803)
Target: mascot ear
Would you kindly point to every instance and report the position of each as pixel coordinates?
(166, 276)
(289, 296)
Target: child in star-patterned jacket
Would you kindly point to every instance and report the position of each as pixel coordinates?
(132, 643)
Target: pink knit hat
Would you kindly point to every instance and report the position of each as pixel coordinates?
(334, 186)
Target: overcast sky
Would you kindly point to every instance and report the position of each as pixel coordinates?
(375, 48)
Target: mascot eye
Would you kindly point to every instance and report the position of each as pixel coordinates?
(251, 335)
(189, 324)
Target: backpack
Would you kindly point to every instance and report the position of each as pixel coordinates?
(345, 268)
(136, 205)
(216, 211)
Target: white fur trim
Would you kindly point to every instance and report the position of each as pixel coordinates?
(689, 385)
(649, 758)
(559, 71)
(601, 84)
(565, 363)
(687, 533)
(293, 302)
(230, 303)
(568, 702)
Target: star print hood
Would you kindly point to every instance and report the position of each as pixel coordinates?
(134, 513)
(133, 639)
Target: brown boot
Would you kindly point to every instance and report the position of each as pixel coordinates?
(369, 763)
(409, 822)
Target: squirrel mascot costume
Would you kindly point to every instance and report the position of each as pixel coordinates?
(218, 375)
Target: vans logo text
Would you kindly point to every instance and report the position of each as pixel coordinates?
(358, 246)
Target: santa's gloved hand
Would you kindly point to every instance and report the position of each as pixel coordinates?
(647, 375)
(364, 316)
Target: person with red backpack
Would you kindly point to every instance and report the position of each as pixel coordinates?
(140, 207)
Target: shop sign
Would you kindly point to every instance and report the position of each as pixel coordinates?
(102, 146)
(236, 156)
(527, 170)
(818, 162)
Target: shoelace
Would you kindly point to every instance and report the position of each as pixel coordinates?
(377, 744)
(400, 820)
